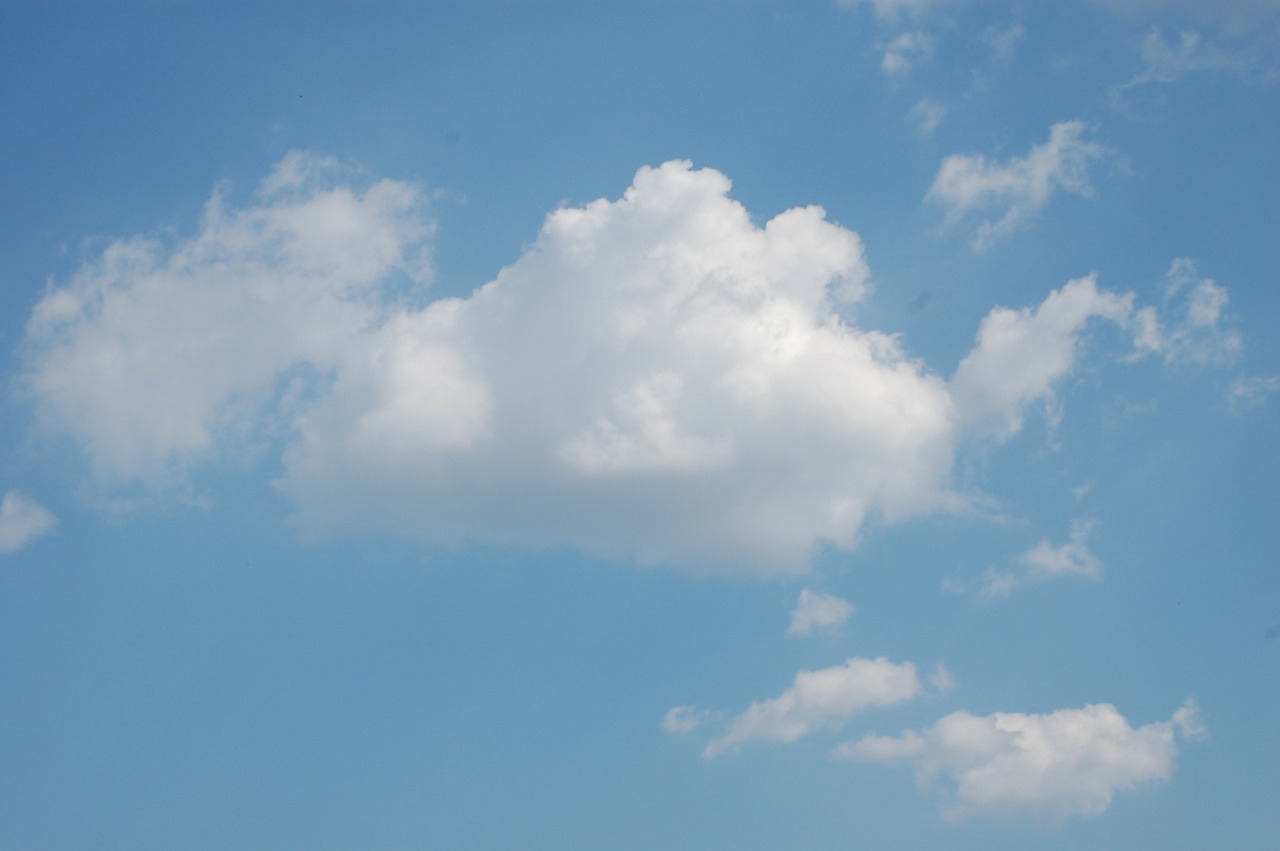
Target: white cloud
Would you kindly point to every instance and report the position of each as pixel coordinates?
(928, 115)
(823, 699)
(656, 377)
(684, 719)
(21, 521)
(1017, 189)
(1021, 354)
(1196, 333)
(1045, 561)
(905, 52)
(150, 353)
(818, 611)
(1050, 767)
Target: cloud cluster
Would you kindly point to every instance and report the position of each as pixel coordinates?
(1015, 190)
(822, 699)
(21, 521)
(657, 377)
(1046, 767)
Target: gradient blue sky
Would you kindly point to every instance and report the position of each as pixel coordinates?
(640, 425)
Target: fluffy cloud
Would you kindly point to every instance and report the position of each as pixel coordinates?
(1017, 189)
(152, 353)
(1047, 767)
(1021, 354)
(657, 377)
(22, 520)
(818, 611)
(822, 699)
(1193, 330)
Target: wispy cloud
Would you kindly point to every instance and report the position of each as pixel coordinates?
(823, 699)
(1193, 329)
(22, 521)
(1017, 189)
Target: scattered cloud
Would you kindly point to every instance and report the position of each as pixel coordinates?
(928, 115)
(1196, 333)
(1015, 190)
(21, 521)
(893, 10)
(1167, 62)
(1003, 41)
(1051, 767)
(1248, 391)
(818, 611)
(823, 699)
(1045, 561)
(906, 51)
(1021, 354)
(685, 719)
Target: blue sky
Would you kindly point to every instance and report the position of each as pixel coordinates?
(665, 425)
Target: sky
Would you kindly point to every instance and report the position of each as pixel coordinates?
(640, 425)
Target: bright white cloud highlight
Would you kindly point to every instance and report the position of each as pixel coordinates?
(1015, 190)
(1021, 354)
(823, 699)
(21, 521)
(815, 611)
(1050, 767)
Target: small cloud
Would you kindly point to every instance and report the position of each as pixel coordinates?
(1193, 330)
(818, 611)
(823, 699)
(22, 521)
(905, 52)
(928, 115)
(1051, 767)
(1003, 41)
(1167, 62)
(684, 719)
(941, 680)
(1070, 559)
(1017, 189)
(1248, 392)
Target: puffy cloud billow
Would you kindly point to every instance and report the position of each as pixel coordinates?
(657, 377)
(1049, 767)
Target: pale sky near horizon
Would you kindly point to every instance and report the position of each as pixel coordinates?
(640, 425)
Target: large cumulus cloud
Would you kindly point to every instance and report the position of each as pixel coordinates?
(657, 377)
